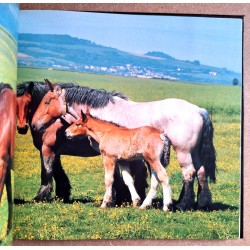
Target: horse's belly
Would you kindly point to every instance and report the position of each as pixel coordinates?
(128, 157)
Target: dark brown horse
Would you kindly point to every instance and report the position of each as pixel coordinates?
(7, 142)
(52, 143)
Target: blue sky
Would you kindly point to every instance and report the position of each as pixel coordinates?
(212, 41)
(9, 18)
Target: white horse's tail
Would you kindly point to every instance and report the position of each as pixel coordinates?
(208, 154)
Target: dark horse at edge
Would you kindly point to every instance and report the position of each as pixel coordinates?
(7, 143)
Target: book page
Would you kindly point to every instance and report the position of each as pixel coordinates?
(179, 74)
(8, 77)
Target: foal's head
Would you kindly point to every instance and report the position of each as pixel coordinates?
(78, 128)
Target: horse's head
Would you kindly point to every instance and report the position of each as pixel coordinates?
(78, 128)
(51, 107)
(22, 108)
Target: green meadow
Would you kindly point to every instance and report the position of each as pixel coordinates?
(8, 58)
(83, 219)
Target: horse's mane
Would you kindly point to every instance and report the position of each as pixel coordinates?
(39, 89)
(94, 98)
(23, 87)
(4, 86)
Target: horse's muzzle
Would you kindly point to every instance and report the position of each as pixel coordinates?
(68, 134)
(23, 130)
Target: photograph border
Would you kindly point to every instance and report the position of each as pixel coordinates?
(233, 10)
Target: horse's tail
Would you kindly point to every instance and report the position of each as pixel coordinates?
(208, 154)
(166, 150)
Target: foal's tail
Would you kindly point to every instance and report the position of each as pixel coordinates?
(208, 154)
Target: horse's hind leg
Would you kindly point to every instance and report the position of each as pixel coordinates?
(62, 181)
(204, 198)
(186, 200)
(3, 169)
(9, 196)
(128, 179)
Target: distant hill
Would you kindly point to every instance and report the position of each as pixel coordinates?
(70, 53)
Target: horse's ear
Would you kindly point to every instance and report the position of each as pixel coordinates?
(49, 84)
(30, 87)
(84, 117)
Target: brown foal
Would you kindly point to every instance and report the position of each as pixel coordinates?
(119, 143)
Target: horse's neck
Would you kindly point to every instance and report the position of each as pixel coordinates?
(97, 129)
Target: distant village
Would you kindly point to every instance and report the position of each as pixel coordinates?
(126, 70)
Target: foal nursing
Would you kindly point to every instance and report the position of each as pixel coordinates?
(118, 144)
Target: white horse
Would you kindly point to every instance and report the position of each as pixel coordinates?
(187, 126)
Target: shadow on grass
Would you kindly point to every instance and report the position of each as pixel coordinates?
(157, 204)
(216, 206)
(70, 201)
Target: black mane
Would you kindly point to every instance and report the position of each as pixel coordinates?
(94, 98)
(4, 86)
(39, 89)
(23, 87)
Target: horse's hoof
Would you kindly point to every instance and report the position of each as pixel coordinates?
(204, 203)
(183, 206)
(145, 206)
(137, 203)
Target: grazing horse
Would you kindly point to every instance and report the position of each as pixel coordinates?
(187, 126)
(52, 143)
(118, 144)
(7, 142)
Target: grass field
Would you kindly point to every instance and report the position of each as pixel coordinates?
(83, 219)
(8, 74)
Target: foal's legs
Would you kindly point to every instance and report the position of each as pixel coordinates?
(128, 179)
(186, 200)
(158, 174)
(109, 166)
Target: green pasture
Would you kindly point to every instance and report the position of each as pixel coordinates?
(8, 74)
(83, 219)
(8, 58)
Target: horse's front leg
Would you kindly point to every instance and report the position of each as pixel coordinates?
(47, 160)
(62, 183)
(186, 200)
(109, 166)
(129, 181)
(152, 192)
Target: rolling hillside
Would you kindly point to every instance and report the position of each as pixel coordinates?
(68, 53)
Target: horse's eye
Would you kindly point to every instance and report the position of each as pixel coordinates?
(47, 102)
